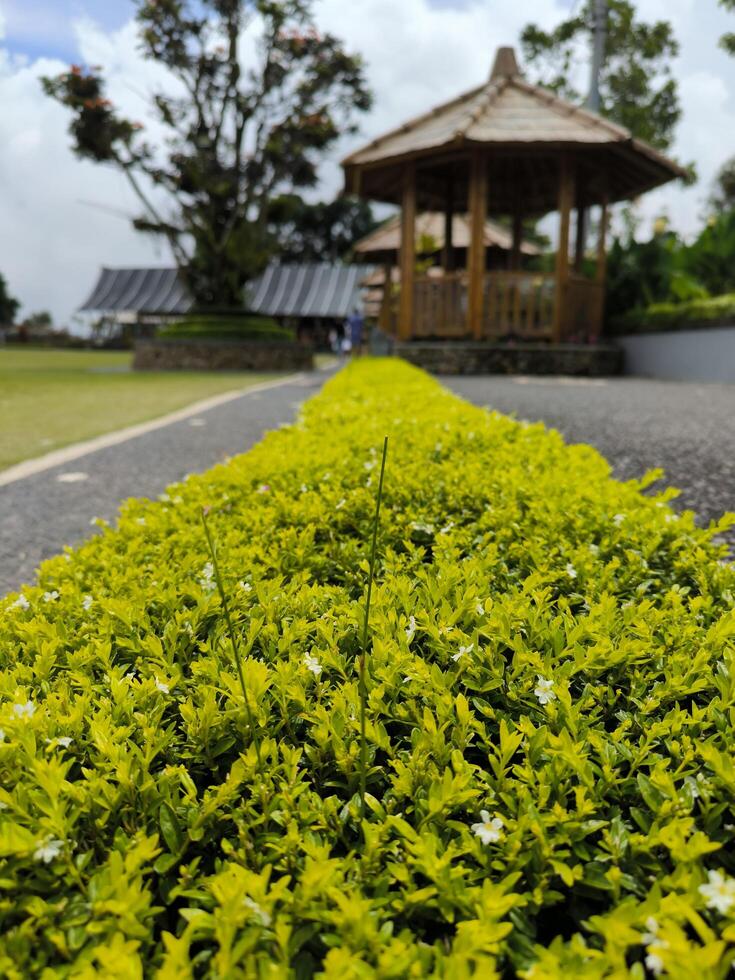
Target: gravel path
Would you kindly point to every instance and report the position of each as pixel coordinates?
(687, 429)
(41, 513)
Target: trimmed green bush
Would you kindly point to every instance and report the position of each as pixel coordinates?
(678, 316)
(551, 702)
(221, 327)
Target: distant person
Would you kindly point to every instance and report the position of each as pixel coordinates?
(334, 344)
(355, 323)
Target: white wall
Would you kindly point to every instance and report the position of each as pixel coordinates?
(686, 355)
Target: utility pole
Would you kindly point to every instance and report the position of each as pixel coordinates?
(599, 25)
(599, 8)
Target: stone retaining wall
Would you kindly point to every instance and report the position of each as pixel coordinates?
(449, 357)
(224, 355)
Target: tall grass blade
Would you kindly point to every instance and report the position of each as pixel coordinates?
(233, 636)
(363, 655)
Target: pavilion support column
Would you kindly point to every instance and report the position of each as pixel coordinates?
(408, 252)
(476, 257)
(448, 250)
(566, 198)
(580, 237)
(515, 251)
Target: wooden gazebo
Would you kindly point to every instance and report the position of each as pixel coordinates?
(505, 148)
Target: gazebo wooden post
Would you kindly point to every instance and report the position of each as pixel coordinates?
(580, 237)
(448, 250)
(515, 251)
(408, 251)
(476, 256)
(566, 197)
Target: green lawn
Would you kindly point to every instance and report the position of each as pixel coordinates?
(51, 398)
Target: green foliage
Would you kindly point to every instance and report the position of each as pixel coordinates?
(8, 304)
(637, 85)
(548, 646)
(321, 232)
(665, 281)
(723, 191)
(681, 316)
(727, 41)
(223, 327)
(240, 131)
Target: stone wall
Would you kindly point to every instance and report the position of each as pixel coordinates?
(459, 357)
(220, 355)
(706, 354)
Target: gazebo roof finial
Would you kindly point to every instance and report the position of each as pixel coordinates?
(505, 64)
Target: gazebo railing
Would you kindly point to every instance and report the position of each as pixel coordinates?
(519, 304)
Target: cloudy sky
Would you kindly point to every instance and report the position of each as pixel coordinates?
(61, 218)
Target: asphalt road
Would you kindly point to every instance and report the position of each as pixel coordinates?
(41, 513)
(685, 428)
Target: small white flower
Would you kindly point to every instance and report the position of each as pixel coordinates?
(304, 488)
(163, 688)
(369, 465)
(618, 519)
(594, 549)
(411, 628)
(340, 504)
(571, 570)
(480, 609)
(163, 497)
(87, 602)
(2, 734)
(719, 892)
(206, 579)
(489, 831)
(65, 741)
(26, 710)
(50, 596)
(263, 488)
(264, 917)
(312, 664)
(140, 520)
(651, 934)
(653, 961)
(462, 652)
(245, 586)
(189, 629)
(438, 447)
(48, 849)
(543, 690)
(447, 528)
(21, 602)
(177, 500)
(406, 680)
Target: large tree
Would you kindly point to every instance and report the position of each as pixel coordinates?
(8, 304)
(230, 133)
(637, 87)
(728, 40)
(722, 197)
(321, 232)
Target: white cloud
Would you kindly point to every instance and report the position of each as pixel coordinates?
(417, 55)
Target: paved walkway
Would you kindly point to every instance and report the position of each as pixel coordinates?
(45, 511)
(687, 429)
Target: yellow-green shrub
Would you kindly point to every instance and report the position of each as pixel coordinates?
(549, 646)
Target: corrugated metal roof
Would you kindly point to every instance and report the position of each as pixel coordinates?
(144, 291)
(302, 290)
(317, 289)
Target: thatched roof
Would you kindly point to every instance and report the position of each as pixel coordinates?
(387, 238)
(518, 122)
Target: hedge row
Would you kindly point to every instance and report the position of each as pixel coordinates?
(687, 315)
(550, 718)
(224, 327)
